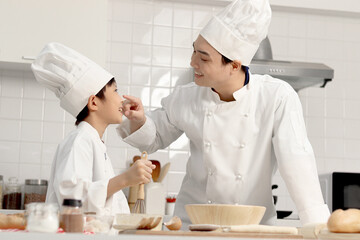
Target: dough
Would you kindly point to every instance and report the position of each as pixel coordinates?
(347, 221)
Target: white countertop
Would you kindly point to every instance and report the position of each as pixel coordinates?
(68, 236)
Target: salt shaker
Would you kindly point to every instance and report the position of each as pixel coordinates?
(72, 216)
(42, 217)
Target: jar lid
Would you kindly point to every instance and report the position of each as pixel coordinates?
(72, 202)
(36, 182)
(13, 181)
(40, 206)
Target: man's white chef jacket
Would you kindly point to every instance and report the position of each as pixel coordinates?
(237, 146)
(81, 170)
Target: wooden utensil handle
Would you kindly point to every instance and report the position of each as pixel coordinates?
(141, 193)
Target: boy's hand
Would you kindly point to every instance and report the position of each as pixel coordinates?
(140, 172)
(134, 111)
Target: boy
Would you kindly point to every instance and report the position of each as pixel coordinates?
(81, 168)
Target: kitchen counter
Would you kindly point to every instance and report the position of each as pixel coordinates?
(67, 236)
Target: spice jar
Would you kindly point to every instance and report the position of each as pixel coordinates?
(71, 216)
(170, 205)
(1, 190)
(35, 190)
(42, 217)
(12, 194)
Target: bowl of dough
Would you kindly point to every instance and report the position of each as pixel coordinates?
(224, 214)
(98, 223)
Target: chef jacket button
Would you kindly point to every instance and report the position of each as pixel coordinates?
(209, 201)
(207, 144)
(238, 176)
(209, 114)
(210, 172)
(246, 115)
(242, 145)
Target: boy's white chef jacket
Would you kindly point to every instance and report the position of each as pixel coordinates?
(81, 170)
(237, 146)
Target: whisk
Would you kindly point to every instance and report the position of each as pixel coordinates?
(139, 206)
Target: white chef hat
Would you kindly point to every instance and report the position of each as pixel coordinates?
(71, 76)
(236, 31)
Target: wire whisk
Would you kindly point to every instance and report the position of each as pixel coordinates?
(139, 206)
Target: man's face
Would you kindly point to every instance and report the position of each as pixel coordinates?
(208, 67)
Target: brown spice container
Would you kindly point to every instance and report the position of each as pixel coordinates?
(35, 190)
(72, 217)
(72, 222)
(12, 194)
(12, 201)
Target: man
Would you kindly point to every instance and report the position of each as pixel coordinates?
(241, 126)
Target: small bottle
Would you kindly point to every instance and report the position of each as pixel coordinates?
(42, 217)
(170, 205)
(12, 194)
(72, 216)
(1, 190)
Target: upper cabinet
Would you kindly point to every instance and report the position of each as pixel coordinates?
(27, 25)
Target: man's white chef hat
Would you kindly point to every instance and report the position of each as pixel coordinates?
(71, 76)
(236, 31)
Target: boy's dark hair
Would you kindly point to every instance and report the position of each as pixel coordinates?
(85, 112)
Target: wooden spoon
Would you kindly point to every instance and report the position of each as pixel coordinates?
(163, 172)
(156, 172)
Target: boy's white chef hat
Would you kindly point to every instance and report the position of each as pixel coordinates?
(71, 76)
(236, 31)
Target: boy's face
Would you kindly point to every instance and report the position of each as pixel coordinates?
(110, 108)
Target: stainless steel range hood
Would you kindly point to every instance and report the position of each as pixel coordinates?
(298, 74)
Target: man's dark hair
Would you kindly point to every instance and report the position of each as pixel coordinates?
(225, 60)
(85, 112)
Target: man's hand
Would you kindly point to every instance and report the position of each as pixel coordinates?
(134, 111)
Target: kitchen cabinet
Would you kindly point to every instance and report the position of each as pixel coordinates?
(27, 25)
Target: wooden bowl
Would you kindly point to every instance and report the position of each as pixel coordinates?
(224, 214)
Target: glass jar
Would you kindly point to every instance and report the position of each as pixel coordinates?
(35, 190)
(1, 190)
(42, 217)
(12, 194)
(71, 216)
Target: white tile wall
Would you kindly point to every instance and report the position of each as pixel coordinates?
(149, 49)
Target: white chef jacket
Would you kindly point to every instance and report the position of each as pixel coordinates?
(237, 146)
(81, 170)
